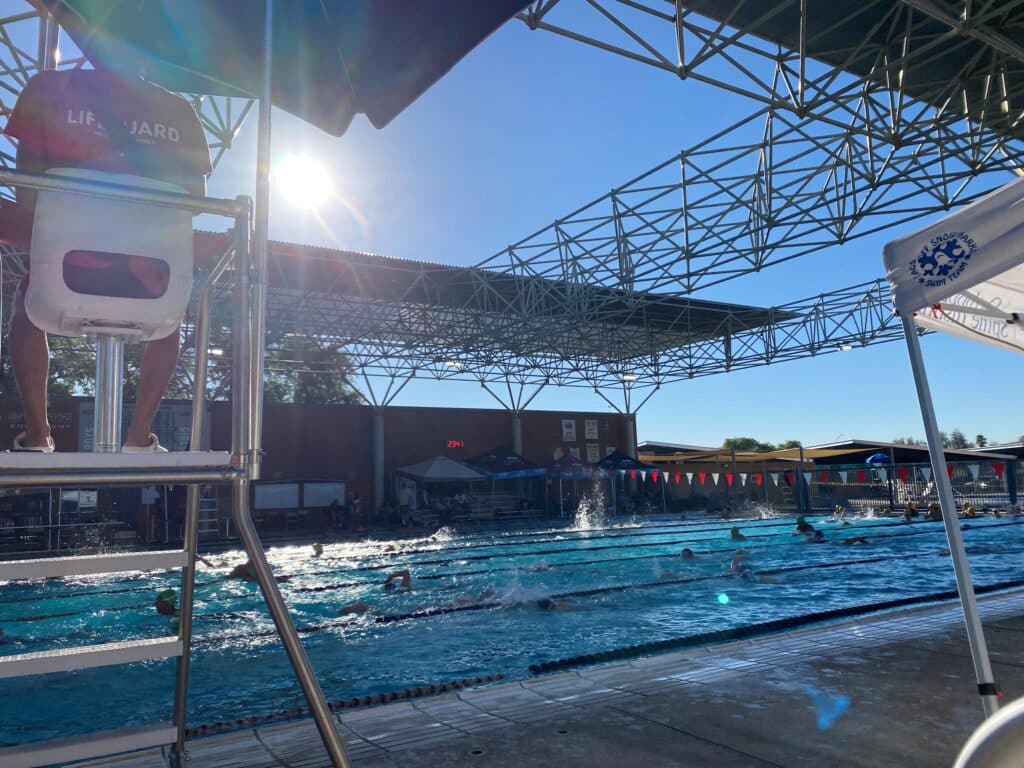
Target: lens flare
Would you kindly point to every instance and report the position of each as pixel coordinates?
(723, 598)
(303, 181)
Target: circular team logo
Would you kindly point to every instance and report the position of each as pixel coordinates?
(943, 259)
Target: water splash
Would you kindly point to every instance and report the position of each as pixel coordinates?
(590, 513)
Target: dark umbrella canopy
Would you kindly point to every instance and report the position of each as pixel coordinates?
(878, 458)
(621, 462)
(332, 59)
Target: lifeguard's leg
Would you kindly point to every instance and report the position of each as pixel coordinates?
(30, 358)
(158, 362)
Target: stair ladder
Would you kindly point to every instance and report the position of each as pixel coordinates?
(107, 466)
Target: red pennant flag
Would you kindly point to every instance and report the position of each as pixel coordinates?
(903, 473)
(788, 476)
(632, 474)
(728, 478)
(654, 475)
(999, 467)
(702, 476)
(949, 471)
(824, 475)
(679, 478)
(862, 476)
(758, 478)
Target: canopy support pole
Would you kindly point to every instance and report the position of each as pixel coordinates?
(975, 633)
(251, 353)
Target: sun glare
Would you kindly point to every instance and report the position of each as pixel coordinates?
(302, 181)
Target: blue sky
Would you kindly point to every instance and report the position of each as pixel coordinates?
(529, 127)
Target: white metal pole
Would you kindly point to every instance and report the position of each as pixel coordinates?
(975, 632)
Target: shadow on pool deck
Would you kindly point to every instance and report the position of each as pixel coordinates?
(895, 690)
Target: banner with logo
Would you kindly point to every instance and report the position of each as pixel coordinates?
(963, 274)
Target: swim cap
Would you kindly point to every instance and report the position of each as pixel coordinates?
(168, 595)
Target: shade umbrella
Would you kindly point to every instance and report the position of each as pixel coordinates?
(878, 458)
(332, 59)
(322, 60)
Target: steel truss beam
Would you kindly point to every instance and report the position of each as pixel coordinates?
(819, 72)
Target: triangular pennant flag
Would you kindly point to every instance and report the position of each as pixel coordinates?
(843, 474)
(728, 479)
(883, 473)
(759, 478)
(999, 468)
(632, 474)
(775, 477)
(743, 478)
(807, 477)
(824, 475)
(714, 477)
(689, 478)
(654, 475)
(643, 475)
(975, 470)
(927, 472)
(679, 477)
(702, 476)
(902, 473)
(949, 471)
(862, 476)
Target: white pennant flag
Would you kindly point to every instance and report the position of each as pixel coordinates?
(775, 477)
(883, 473)
(843, 474)
(743, 478)
(927, 472)
(689, 477)
(643, 474)
(807, 477)
(974, 469)
(714, 477)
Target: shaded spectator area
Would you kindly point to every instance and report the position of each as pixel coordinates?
(517, 485)
(636, 487)
(438, 491)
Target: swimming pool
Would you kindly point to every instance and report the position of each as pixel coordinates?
(626, 585)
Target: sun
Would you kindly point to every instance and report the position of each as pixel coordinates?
(303, 181)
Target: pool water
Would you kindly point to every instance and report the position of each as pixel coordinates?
(625, 585)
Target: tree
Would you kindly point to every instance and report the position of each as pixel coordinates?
(908, 441)
(945, 440)
(298, 369)
(748, 444)
(980, 440)
(789, 444)
(957, 440)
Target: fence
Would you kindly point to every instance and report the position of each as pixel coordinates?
(982, 484)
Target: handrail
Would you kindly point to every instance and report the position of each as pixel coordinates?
(219, 206)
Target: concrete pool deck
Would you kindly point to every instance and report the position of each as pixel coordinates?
(890, 690)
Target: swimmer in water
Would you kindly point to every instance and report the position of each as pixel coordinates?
(318, 549)
(687, 554)
(817, 538)
(167, 603)
(854, 541)
(554, 604)
(735, 535)
(803, 527)
(748, 576)
(398, 580)
(738, 562)
(247, 572)
(354, 608)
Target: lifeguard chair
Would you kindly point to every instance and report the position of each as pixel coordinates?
(111, 257)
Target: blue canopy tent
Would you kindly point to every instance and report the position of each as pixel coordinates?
(322, 60)
(622, 465)
(569, 468)
(502, 464)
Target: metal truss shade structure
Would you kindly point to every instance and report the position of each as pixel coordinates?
(397, 318)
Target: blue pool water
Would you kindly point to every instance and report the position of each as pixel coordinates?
(631, 572)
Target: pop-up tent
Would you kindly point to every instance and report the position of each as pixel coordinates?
(962, 275)
(441, 469)
(503, 463)
(622, 465)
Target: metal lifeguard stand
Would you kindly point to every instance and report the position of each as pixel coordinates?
(121, 215)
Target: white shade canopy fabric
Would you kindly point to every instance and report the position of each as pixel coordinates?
(964, 274)
(441, 469)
